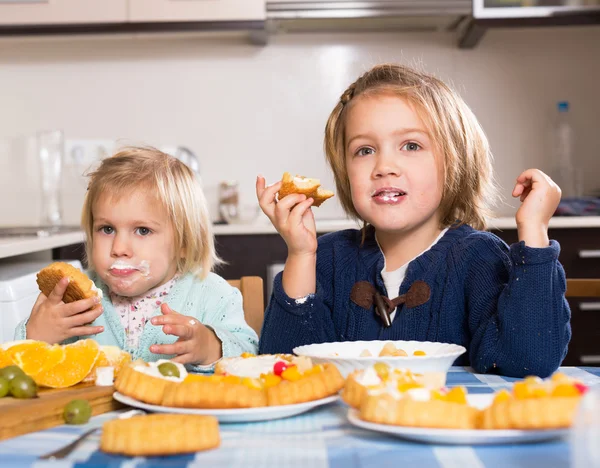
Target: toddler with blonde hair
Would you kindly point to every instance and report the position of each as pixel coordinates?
(150, 250)
(412, 163)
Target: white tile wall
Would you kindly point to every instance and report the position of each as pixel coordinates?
(246, 110)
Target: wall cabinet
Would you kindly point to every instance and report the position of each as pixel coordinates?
(73, 12)
(44, 12)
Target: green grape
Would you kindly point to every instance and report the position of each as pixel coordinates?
(4, 387)
(23, 386)
(10, 372)
(77, 412)
(168, 369)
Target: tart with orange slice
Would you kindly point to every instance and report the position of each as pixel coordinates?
(534, 403)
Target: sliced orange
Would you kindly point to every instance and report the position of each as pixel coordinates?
(79, 361)
(37, 360)
(29, 346)
(109, 356)
(5, 359)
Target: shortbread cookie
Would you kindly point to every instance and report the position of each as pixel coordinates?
(80, 286)
(160, 434)
(535, 404)
(144, 381)
(304, 185)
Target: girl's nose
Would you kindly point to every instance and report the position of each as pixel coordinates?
(385, 164)
(121, 246)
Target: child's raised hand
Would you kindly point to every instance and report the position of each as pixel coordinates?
(53, 321)
(196, 344)
(539, 197)
(291, 216)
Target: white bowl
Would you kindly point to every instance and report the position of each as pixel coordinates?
(346, 355)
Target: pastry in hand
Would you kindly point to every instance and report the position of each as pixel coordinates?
(160, 434)
(535, 404)
(304, 185)
(80, 286)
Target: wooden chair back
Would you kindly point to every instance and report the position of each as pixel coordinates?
(251, 288)
(583, 287)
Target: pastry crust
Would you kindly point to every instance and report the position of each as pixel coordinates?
(353, 392)
(309, 187)
(385, 409)
(160, 434)
(80, 286)
(309, 388)
(142, 387)
(208, 392)
(533, 413)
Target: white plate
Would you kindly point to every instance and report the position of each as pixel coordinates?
(461, 436)
(346, 355)
(236, 415)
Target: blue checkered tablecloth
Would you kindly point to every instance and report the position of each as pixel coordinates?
(322, 438)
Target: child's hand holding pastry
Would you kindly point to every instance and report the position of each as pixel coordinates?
(197, 344)
(291, 216)
(53, 321)
(539, 196)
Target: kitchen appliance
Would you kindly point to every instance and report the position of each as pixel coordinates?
(18, 292)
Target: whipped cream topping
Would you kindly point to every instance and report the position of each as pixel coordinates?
(105, 376)
(305, 182)
(151, 369)
(251, 367)
(97, 290)
(143, 267)
(368, 377)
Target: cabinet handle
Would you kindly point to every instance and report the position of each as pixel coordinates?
(589, 254)
(589, 306)
(591, 359)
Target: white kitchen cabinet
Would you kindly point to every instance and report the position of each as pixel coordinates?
(196, 10)
(43, 12)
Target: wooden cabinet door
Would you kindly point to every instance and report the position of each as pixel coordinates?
(30, 12)
(196, 10)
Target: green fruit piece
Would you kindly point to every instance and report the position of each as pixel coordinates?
(23, 386)
(77, 412)
(4, 387)
(10, 372)
(168, 369)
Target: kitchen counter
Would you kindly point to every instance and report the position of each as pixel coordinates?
(263, 227)
(13, 246)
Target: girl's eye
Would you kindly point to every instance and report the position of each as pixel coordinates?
(364, 151)
(411, 146)
(143, 231)
(106, 230)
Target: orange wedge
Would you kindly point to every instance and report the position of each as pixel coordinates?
(5, 359)
(80, 358)
(37, 360)
(109, 356)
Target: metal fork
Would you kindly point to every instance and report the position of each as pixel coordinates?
(65, 451)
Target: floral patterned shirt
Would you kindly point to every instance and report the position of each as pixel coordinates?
(134, 312)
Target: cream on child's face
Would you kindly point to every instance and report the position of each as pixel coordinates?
(133, 243)
(394, 178)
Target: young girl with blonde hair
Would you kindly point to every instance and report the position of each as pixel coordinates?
(412, 163)
(150, 250)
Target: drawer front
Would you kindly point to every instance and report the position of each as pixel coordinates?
(584, 349)
(579, 249)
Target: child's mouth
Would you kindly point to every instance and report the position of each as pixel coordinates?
(388, 196)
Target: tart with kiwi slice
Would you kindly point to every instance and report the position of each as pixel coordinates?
(147, 381)
(254, 381)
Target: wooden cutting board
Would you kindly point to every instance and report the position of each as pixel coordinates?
(19, 417)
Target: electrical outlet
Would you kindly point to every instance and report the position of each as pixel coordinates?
(87, 152)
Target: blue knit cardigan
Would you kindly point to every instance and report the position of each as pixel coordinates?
(506, 306)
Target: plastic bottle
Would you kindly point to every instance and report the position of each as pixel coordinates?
(563, 170)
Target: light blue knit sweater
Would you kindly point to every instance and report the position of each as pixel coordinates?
(212, 301)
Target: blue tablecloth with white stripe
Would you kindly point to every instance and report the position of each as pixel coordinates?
(322, 438)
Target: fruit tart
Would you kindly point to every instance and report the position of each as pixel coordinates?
(412, 404)
(534, 403)
(146, 381)
(379, 376)
(252, 381)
